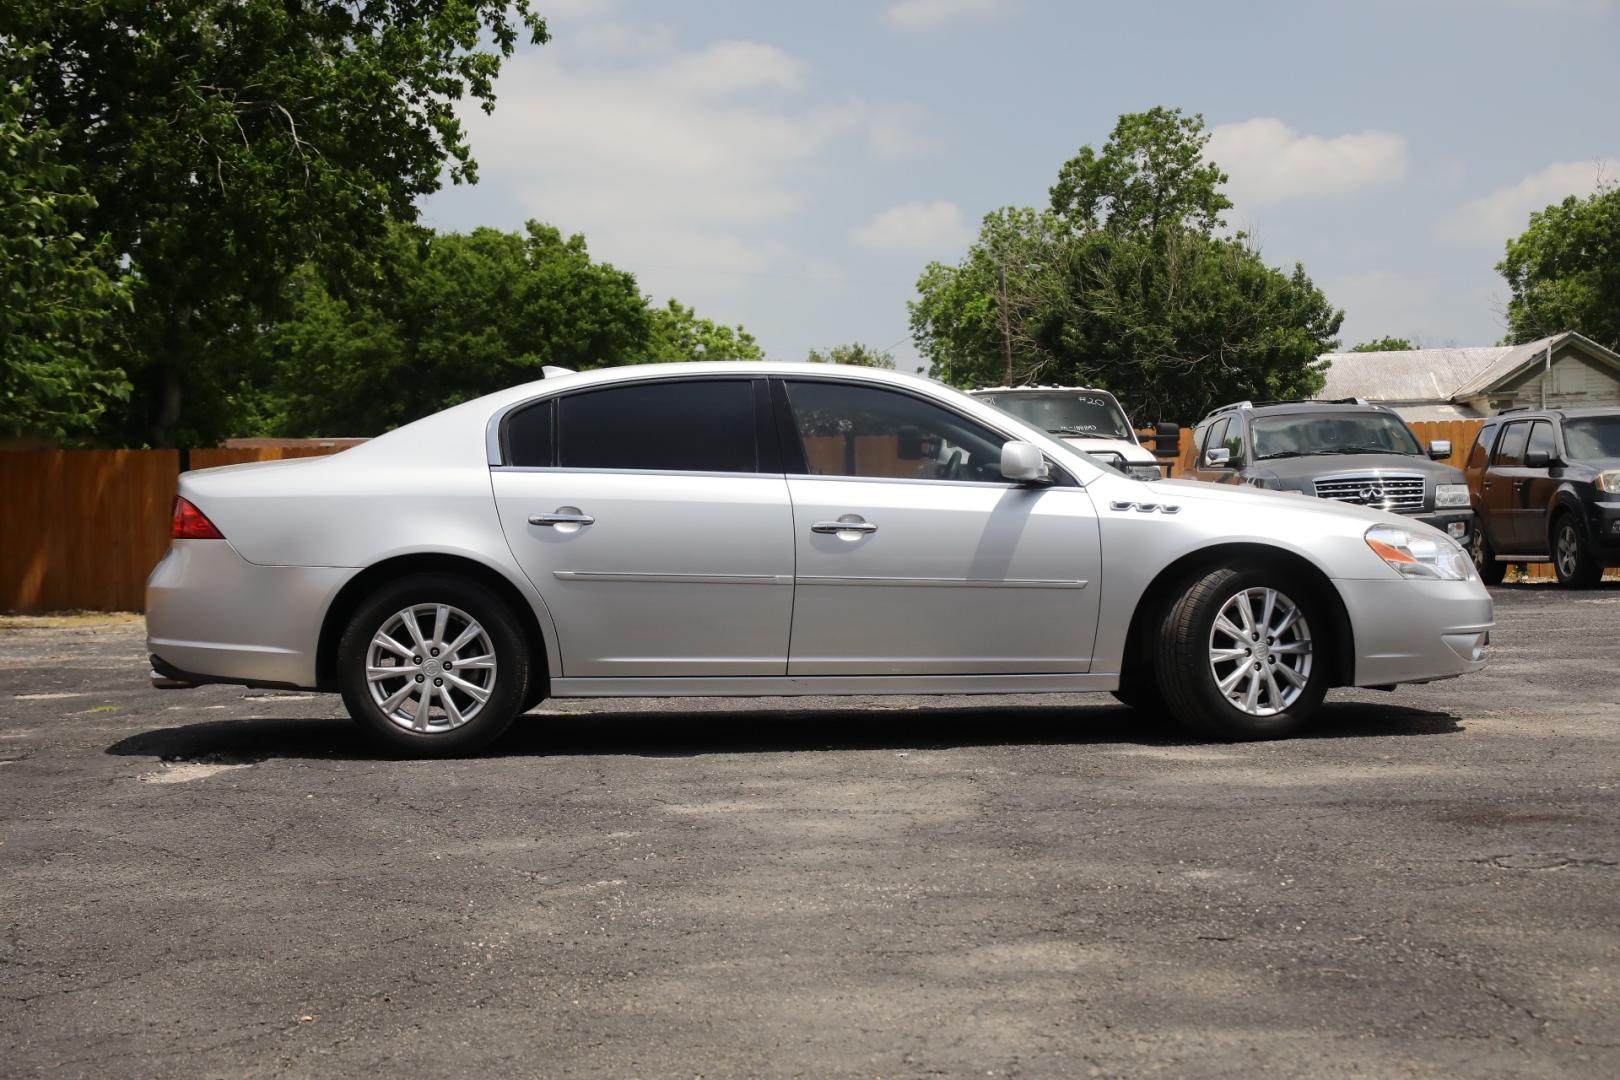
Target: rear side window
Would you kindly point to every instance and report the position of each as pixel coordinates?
(531, 435)
(1476, 456)
(689, 426)
(1541, 438)
(1510, 448)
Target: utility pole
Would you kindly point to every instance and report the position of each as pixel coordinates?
(1006, 327)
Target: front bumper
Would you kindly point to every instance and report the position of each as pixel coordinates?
(1603, 531)
(212, 614)
(1457, 524)
(1416, 631)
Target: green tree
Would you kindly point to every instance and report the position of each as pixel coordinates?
(447, 318)
(1564, 271)
(1126, 282)
(1385, 344)
(855, 354)
(55, 299)
(229, 142)
(678, 334)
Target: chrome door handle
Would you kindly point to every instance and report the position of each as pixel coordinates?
(843, 526)
(561, 519)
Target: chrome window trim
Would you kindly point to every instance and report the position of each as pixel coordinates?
(576, 469)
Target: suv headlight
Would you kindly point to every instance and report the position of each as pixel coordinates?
(1609, 480)
(1143, 472)
(1450, 495)
(1418, 555)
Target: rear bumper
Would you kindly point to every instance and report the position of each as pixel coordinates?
(212, 616)
(1416, 631)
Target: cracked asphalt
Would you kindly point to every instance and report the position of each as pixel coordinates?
(230, 883)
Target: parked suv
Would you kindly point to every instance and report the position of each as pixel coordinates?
(1545, 485)
(1345, 450)
(1090, 420)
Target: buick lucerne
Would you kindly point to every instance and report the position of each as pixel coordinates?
(768, 528)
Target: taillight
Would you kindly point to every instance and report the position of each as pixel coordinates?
(191, 523)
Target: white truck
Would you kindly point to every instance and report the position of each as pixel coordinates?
(1090, 420)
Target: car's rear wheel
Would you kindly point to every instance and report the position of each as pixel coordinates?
(434, 665)
(1490, 571)
(1574, 564)
(1243, 654)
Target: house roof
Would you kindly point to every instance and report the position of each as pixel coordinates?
(1441, 375)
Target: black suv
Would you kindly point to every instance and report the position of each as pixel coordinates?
(1346, 450)
(1546, 486)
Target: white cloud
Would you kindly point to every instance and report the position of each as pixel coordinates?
(675, 165)
(924, 14)
(915, 227)
(1268, 161)
(1492, 219)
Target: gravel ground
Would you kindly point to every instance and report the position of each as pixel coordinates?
(223, 882)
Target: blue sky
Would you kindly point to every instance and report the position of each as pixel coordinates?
(793, 166)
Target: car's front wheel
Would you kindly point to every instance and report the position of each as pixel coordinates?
(434, 665)
(1490, 571)
(1243, 654)
(1574, 564)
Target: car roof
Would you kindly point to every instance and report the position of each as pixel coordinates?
(1555, 414)
(1041, 390)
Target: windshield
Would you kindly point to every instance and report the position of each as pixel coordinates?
(1596, 437)
(1095, 416)
(1332, 433)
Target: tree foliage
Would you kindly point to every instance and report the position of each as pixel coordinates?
(1385, 344)
(226, 143)
(1564, 271)
(1126, 282)
(854, 354)
(56, 377)
(450, 317)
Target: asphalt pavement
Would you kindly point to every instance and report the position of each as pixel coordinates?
(231, 883)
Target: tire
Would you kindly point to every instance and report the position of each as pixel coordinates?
(473, 616)
(1490, 571)
(1192, 655)
(1572, 560)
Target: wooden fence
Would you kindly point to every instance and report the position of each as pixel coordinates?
(82, 529)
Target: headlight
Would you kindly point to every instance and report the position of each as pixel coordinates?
(1609, 480)
(1143, 472)
(1450, 495)
(1419, 555)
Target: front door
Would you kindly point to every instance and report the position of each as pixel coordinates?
(914, 556)
(1502, 487)
(654, 528)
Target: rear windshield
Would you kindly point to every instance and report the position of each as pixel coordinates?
(1593, 437)
(1068, 413)
(1304, 434)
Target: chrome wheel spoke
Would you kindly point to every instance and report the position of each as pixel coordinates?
(1229, 683)
(477, 693)
(424, 705)
(1267, 611)
(476, 662)
(392, 701)
(383, 641)
(377, 674)
(437, 634)
(1230, 629)
(1251, 696)
(1274, 691)
(441, 616)
(472, 631)
(451, 710)
(1291, 675)
(1292, 648)
(1218, 655)
(408, 617)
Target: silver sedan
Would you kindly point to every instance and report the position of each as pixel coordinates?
(767, 528)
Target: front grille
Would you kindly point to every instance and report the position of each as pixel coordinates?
(1402, 493)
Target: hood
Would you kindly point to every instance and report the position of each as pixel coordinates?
(1130, 451)
(1239, 497)
(1316, 465)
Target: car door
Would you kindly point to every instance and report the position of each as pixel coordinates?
(1533, 492)
(1501, 485)
(653, 518)
(914, 555)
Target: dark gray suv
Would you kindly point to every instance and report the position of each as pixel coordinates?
(1346, 450)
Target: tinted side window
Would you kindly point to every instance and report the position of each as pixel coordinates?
(1233, 440)
(697, 426)
(1541, 438)
(530, 435)
(1476, 456)
(1510, 448)
(1216, 436)
(849, 430)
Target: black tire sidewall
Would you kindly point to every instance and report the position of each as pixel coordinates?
(1489, 570)
(512, 658)
(1186, 678)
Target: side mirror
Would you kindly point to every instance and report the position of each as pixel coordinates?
(1440, 449)
(1023, 463)
(1166, 441)
(1537, 459)
(1217, 457)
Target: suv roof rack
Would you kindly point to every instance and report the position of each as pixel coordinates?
(1512, 408)
(1293, 401)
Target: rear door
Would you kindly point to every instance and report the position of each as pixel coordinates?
(914, 556)
(653, 518)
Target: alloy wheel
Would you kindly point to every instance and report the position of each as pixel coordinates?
(430, 668)
(1260, 651)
